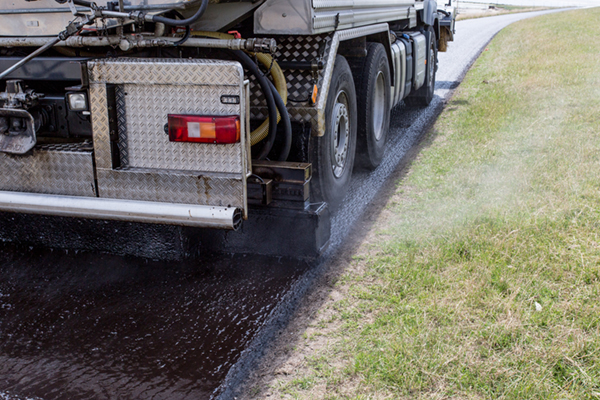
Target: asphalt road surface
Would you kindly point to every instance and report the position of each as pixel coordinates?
(95, 326)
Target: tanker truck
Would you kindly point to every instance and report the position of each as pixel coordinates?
(219, 115)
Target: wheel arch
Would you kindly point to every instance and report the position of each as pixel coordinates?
(385, 40)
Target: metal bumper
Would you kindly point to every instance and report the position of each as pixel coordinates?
(124, 210)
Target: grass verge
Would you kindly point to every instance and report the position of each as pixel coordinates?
(482, 278)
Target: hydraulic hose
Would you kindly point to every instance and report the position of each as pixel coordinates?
(281, 88)
(280, 84)
(188, 30)
(187, 35)
(182, 22)
(287, 125)
(268, 93)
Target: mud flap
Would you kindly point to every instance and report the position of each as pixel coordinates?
(270, 231)
(302, 234)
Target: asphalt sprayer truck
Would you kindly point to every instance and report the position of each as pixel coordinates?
(220, 115)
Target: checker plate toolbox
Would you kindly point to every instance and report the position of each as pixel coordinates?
(161, 111)
(150, 167)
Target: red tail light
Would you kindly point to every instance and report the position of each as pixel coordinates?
(204, 129)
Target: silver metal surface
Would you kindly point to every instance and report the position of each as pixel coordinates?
(420, 58)
(330, 63)
(170, 186)
(152, 167)
(340, 139)
(399, 58)
(166, 71)
(300, 83)
(129, 42)
(221, 16)
(379, 105)
(25, 139)
(148, 146)
(47, 17)
(122, 125)
(100, 127)
(309, 17)
(125, 210)
(65, 169)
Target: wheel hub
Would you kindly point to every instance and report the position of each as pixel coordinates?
(378, 106)
(340, 138)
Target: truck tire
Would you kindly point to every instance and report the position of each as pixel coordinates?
(424, 95)
(373, 90)
(333, 153)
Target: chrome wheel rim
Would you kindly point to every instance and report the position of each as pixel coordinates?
(340, 137)
(378, 106)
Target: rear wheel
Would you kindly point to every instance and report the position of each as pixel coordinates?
(333, 154)
(424, 95)
(373, 84)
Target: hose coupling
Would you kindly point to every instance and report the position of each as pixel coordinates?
(261, 45)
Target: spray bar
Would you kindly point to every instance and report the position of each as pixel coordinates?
(125, 210)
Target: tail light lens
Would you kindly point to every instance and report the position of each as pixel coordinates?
(204, 129)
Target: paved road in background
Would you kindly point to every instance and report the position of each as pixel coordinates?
(95, 326)
(537, 3)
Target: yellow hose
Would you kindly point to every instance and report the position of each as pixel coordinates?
(278, 80)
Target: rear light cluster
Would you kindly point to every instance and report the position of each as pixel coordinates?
(204, 129)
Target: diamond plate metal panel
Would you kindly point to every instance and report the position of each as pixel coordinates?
(122, 125)
(64, 169)
(152, 167)
(165, 71)
(100, 127)
(330, 63)
(172, 186)
(148, 146)
(295, 48)
(308, 48)
(299, 83)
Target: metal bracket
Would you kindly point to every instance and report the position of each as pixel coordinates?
(17, 131)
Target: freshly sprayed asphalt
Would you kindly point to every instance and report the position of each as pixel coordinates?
(86, 325)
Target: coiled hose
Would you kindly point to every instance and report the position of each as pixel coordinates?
(269, 97)
(280, 94)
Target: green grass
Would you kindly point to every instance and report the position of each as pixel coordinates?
(500, 9)
(484, 280)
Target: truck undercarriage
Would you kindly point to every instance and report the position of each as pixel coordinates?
(205, 113)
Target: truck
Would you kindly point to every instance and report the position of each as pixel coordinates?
(216, 115)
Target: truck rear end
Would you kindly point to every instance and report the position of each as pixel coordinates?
(207, 114)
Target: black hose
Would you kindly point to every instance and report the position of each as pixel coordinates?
(287, 124)
(83, 3)
(184, 22)
(265, 86)
(188, 33)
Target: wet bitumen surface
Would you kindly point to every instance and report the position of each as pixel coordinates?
(90, 325)
(96, 326)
